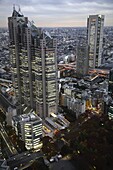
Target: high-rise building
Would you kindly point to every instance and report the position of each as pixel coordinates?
(17, 27)
(45, 76)
(29, 129)
(110, 110)
(110, 87)
(95, 24)
(82, 60)
(34, 66)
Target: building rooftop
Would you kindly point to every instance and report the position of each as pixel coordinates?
(17, 13)
(29, 117)
(3, 165)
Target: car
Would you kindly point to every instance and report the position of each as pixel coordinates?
(52, 160)
(56, 159)
(2, 129)
(47, 163)
(59, 156)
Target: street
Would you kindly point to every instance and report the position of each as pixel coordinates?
(62, 165)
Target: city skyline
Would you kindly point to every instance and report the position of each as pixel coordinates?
(56, 95)
(46, 13)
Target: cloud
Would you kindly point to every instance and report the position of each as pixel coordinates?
(49, 12)
(52, 2)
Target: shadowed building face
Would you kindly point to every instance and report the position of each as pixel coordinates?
(34, 65)
(95, 25)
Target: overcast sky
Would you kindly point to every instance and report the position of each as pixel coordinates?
(53, 13)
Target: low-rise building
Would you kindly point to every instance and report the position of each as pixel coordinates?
(3, 165)
(29, 128)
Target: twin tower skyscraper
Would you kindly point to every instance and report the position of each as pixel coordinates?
(34, 62)
(34, 66)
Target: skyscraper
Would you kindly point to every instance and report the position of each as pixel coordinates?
(34, 67)
(82, 60)
(110, 87)
(95, 24)
(46, 75)
(17, 25)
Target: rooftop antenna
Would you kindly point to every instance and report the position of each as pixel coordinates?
(13, 7)
(32, 22)
(19, 9)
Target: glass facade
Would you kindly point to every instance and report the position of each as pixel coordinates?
(82, 60)
(95, 25)
(46, 77)
(34, 66)
(33, 133)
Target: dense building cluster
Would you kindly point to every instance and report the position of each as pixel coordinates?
(54, 84)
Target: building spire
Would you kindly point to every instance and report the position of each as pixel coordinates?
(19, 9)
(13, 7)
